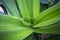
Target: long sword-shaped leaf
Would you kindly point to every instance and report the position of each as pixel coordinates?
(24, 8)
(11, 7)
(15, 34)
(11, 21)
(50, 16)
(29, 8)
(13, 28)
(36, 9)
(50, 29)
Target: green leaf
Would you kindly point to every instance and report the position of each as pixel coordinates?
(10, 21)
(31, 37)
(15, 34)
(36, 9)
(11, 7)
(29, 8)
(24, 8)
(49, 16)
(50, 29)
(13, 28)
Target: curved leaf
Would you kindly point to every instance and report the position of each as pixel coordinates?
(13, 28)
(50, 29)
(48, 17)
(15, 34)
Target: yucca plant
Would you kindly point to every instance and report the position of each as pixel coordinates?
(25, 18)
